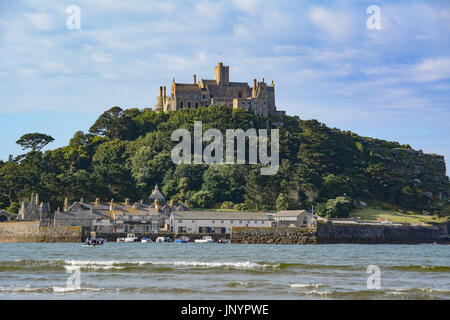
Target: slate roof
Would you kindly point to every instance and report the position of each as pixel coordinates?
(156, 195)
(220, 215)
(289, 213)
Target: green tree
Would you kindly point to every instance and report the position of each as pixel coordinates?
(282, 202)
(36, 141)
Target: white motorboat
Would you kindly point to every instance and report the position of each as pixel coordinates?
(131, 237)
(146, 240)
(205, 239)
(163, 239)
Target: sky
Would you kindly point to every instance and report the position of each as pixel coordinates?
(391, 83)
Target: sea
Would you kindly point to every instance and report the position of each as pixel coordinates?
(223, 271)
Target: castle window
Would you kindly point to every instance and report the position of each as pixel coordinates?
(181, 105)
(196, 105)
(189, 104)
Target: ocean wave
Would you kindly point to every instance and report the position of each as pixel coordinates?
(237, 284)
(28, 265)
(25, 289)
(307, 285)
(57, 289)
(419, 268)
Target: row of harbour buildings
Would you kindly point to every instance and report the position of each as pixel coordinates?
(155, 215)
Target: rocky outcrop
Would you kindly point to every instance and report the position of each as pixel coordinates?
(427, 171)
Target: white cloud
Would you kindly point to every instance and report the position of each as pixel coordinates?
(333, 24)
(41, 21)
(432, 69)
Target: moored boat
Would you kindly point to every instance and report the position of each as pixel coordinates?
(94, 242)
(163, 239)
(205, 239)
(131, 237)
(182, 239)
(146, 240)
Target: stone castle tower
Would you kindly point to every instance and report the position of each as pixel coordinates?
(260, 99)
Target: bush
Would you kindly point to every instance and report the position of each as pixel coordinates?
(282, 202)
(336, 208)
(202, 199)
(227, 205)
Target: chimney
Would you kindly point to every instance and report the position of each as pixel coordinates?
(195, 79)
(37, 199)
(97, 201)
(164, 91)
(82, 200)
(127, 201)
(111, 205)
(160, 91)
(66, 204)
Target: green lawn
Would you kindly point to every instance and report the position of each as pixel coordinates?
(372, 214)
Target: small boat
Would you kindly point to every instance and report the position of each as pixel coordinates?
(205, 239)
(163, 239)
(146, 240)
(94, 242)
(223, 240)
(182, 239)
(131, 237)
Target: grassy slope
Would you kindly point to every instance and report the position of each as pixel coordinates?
(372, 214)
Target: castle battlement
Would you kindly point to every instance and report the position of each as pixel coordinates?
(260, 99)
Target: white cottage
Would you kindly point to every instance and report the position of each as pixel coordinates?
(215, 221)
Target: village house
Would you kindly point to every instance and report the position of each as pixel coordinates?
(215, 221)
(145, 216)
(294, 219)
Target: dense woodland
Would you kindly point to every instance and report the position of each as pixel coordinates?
(126, 152)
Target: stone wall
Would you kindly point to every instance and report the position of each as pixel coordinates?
(273, 235)
(30, 231)
(376, 234)
(339, 233)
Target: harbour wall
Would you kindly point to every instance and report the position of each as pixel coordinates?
(376, 234)
(31, 231)
(330, 232)
(274, 235)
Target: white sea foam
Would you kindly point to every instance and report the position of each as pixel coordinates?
(73, 289)
(206, 264)
(318, 293)
(115, 264)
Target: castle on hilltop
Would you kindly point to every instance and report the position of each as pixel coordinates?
(260, 99)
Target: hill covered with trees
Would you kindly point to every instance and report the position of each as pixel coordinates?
(126, 152)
